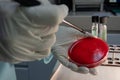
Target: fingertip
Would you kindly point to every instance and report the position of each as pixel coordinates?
(64, 7)
(83, 70)
(93, 71)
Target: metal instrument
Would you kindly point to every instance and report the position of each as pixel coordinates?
(77, 28)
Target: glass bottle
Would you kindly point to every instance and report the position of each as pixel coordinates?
(94, 28)
(103, 28)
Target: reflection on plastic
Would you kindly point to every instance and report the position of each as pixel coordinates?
(48, 59)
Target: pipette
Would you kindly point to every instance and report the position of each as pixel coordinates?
(77, 28)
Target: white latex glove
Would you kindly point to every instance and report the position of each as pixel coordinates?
(65, 37)
(28, 33)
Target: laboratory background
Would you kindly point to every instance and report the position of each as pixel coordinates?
(80, 14)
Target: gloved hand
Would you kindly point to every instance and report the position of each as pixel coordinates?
(28, 33)
(65, 37)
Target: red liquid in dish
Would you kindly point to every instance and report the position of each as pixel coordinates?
(89, 52)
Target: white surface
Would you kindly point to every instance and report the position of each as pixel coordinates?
(104, 73)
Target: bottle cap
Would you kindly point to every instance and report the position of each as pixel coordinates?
(95, 18)
(103, 19)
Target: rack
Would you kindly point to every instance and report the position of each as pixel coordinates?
(113, 58)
